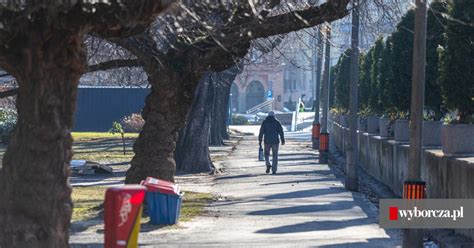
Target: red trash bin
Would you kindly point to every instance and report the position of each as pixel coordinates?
(123, 211)
(162, 186)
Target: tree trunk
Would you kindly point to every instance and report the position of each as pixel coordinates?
(206, 122)
(164, 113)
(192, 150)
(36, 205)
(225, 112)
(220, 108)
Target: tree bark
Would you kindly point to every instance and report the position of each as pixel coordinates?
(205, 122)
(220, 111)
(220, 108)
(225, 112)
(192, 150)
(43, 49)
(164, 113)
(36, 204)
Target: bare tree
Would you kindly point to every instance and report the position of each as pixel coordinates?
(41, 45)
(179, 51)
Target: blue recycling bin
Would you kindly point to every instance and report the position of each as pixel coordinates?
(163, 208)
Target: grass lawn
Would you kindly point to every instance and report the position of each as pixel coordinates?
(103, 147)
(88, 204)
(98, 147)
(86, 136)
(107, 148)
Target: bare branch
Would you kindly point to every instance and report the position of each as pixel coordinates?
(293, 21)
(124, 18)
(8, 93)
(113, 64)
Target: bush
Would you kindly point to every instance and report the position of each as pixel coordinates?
(341, 82)
(117, 128)
(8, 118)
(339, 111)
(457, 58)
(133, 123)
(239, 120)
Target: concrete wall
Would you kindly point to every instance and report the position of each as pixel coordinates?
(387, 161)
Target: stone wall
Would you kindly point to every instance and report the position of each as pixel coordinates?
(387, 161)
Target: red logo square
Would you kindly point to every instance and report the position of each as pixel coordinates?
(393, 213)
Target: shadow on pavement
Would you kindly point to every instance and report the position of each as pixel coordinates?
(377, 242)
(325, 179)
(236, 176)
(286, 163)
(297, 154)
(339, 205)
(289, 195)
(307, 193)
(99, 179)
(86, 147)
(297, 173)
(311, 226)
(89, 245)
(297, 158)
(148, 227)
(80, 226)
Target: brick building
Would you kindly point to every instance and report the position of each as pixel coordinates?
(285, 79)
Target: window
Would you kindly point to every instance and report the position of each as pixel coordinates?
(287, 85)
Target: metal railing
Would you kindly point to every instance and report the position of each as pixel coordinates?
(264, 106)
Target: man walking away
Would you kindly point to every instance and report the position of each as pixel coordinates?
(271, 129)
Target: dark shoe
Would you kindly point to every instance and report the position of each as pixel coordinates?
(274, 172)
(268, 169)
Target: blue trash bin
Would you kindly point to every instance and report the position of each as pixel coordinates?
(163, 208)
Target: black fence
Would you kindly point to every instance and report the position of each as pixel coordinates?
(98, 107)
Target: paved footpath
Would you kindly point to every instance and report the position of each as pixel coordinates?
(303, 205)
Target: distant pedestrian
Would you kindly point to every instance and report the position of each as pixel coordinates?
(301, 107)
(271, 132)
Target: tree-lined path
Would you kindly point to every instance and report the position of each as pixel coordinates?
(303, 205)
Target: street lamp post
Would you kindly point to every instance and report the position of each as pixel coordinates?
(351, 182)
(414, 237)
(324, 136)
(316, 60)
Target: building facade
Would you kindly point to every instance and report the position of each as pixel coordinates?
(285, 79)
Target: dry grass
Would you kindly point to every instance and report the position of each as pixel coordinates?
(89, 136)
(193, 205)
(103, 147)
(88, 204)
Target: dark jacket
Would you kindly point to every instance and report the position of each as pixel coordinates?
(271, 128)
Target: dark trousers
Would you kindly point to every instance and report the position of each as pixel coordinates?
(274, 148)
